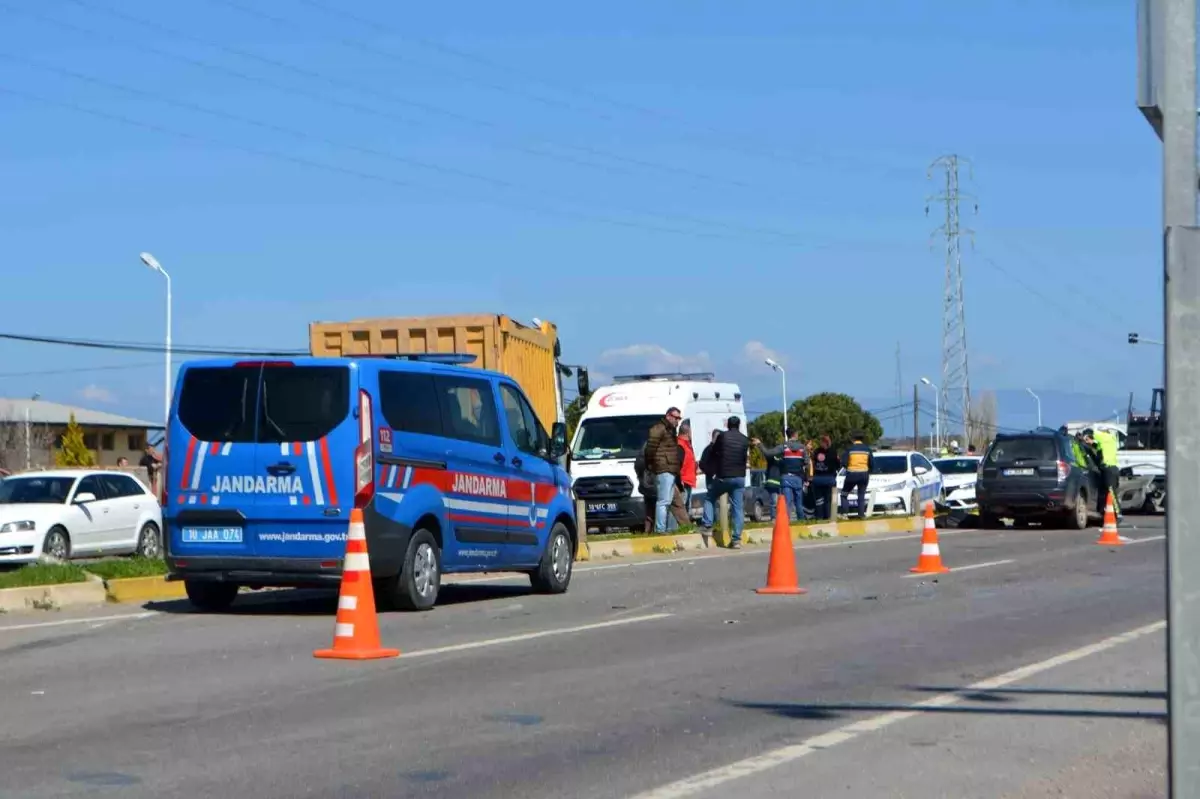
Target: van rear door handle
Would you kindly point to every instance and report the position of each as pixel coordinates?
(516, 462)
(498, 457)
(282, 468)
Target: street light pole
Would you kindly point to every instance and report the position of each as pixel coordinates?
(937, 415)
(1039, 404)
(783, 383)
(150, 261)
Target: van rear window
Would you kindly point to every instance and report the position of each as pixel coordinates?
(301, 403)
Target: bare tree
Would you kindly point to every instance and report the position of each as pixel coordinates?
(981, 426)
(23, 445)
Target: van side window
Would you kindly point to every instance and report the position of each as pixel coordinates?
(409, 402)
(527, 434)
(468, 409)
(302, 404)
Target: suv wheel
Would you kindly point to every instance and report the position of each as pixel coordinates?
(1078, 518)
(210, 597)
(988, 521)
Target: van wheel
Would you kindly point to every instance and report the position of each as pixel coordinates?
(553, 574)
(416, 586)
(210, 597)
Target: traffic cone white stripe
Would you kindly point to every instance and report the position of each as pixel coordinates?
(343, 630)
(357, 533)
(347, 603)
(357, 562)
(930, 549)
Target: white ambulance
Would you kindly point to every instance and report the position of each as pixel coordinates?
(614, 428)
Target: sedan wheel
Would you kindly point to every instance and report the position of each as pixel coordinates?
(149, 542)
(56, 546)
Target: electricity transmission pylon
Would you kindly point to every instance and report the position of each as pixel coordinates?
(956, 377)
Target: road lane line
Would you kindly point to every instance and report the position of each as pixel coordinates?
(708, 780)
(92, 620)
(969, 566)
(510, 639)
(1144, 540)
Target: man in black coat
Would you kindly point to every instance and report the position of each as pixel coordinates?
(730, 456)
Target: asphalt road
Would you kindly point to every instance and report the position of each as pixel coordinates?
(1039, 661)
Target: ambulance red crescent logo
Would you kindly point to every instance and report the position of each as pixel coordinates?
(608, 400)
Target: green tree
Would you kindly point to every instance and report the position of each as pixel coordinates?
(574, 411)
(835, 415)
(73, 451)
(768, 428)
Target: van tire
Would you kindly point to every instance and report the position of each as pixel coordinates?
(417, 585)
(553, 575)
(210, 597)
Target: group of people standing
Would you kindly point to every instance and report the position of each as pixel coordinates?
(803, 473)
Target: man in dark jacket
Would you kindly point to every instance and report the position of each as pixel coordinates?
(825, 467)
(860, 461)
(731, 453)
(791, 467)
(663, 460)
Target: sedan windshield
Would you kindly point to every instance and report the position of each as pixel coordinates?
(957, 465)
(612, 437)
(890, 464)
(35, 490)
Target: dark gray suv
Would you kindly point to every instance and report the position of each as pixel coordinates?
(1043, 476)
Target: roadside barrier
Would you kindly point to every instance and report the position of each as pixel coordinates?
(356, 629)
(781, 571)
(930, 560)
(1109, 536)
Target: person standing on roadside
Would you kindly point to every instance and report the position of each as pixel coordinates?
(687, 471)
(663, 461)
(708, 467)
(731, 451)
(1106, 444)
(860, 461)
(825, 466)
(791, 459)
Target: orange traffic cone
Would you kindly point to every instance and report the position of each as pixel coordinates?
(930, 561)
(1109, 537)
(356, 631)
(781, 573)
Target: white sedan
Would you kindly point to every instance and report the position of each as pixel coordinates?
(958, 475)
(77, 513)
(902, 481)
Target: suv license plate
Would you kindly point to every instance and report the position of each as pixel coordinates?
(1018, 472)
(602, 507)
(211, 535)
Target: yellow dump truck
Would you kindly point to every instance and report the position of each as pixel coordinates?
(525, 353)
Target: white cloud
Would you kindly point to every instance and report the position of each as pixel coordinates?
(756, 353)
(94, 393)
(654, 358)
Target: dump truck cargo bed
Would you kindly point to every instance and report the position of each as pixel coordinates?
(526, 354)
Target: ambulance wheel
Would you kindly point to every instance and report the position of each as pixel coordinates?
(553, 575)
(210, 597)
(416, 586)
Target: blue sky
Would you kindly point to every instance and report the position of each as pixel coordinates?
(757, 183)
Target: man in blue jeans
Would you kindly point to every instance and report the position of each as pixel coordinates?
(663, 460)
(730, 454)
(792, 460)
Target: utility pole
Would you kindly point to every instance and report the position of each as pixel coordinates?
(1167, 97)
(916, 418)
(956, 380)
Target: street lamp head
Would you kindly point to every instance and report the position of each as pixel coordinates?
(925, 380)
(150, 261)
(771, 363)
(1030, 390)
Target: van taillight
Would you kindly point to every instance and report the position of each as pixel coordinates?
(1064, 471)
(364, 454)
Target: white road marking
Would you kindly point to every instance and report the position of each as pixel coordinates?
(968, 567)
(1144, 540)
(708, 780)
(93, 620)
(510, 639)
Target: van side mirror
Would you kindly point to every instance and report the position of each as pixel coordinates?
(558, 440)
(582, 382)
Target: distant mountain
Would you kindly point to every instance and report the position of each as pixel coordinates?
(1016, 409)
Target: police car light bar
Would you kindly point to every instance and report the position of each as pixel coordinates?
(427, 357)
(707, 377)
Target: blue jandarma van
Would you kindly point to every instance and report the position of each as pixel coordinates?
(449, 465)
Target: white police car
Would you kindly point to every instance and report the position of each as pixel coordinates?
(958, 477)
(902, 481)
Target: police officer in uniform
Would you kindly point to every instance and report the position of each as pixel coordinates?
(790, 462)
(825, 467)
(1106, 445)
(860, 460)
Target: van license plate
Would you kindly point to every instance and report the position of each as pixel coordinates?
(212, 535)
(602, 507)
(1018, 472)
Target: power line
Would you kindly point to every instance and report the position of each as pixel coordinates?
(130, 346)
(360, 87)
(117, 368)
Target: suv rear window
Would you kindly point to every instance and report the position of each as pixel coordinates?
(1033, 448)
(301, 403)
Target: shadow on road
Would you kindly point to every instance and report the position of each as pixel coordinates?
(313, 602)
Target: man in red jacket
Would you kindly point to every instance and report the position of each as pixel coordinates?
(687, 473)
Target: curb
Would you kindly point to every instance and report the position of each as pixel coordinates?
(52, 597)
(143, 589)
(670, 544)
